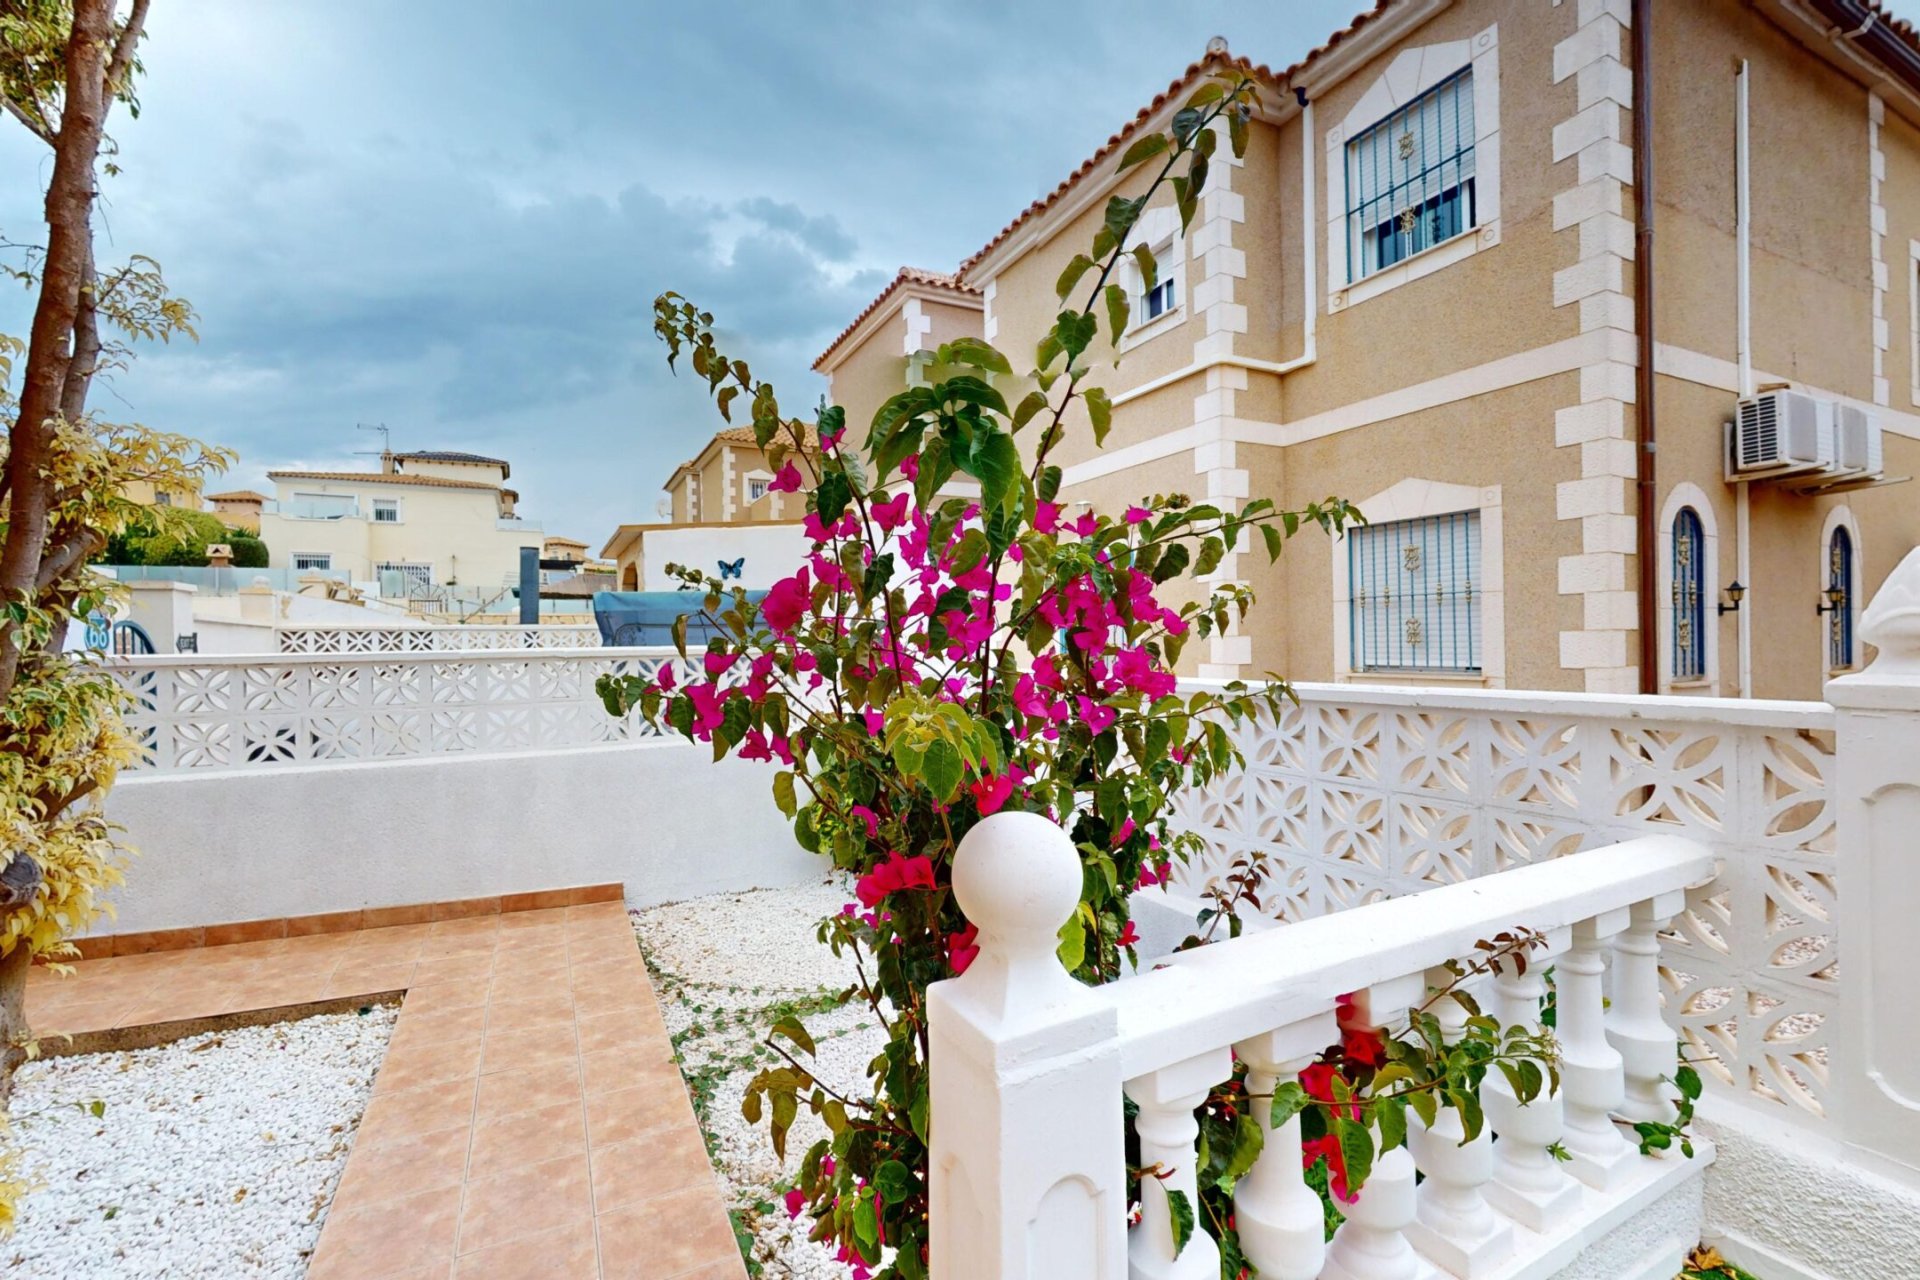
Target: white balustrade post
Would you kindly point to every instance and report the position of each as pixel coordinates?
(1282, 1227)
(1169, 1134)
(1372, 1243)
(1453, 1223)
(1591, 1071)
(1648, 1046)
(1028, 1160)
(1876, 803)
(1528, 1184)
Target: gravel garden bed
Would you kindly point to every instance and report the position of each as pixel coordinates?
(726, 968)
(216, 1155)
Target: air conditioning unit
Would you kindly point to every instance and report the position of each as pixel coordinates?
(1781, 429)
(1859, 440)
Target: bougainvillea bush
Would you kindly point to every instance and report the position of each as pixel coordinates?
(962, 640)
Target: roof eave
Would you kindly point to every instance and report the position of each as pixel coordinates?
(884, 308)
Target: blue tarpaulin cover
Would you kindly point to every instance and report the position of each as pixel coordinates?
(646, 617)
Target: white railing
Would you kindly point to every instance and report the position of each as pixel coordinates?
(1033, 1184)
(434, 639)
(1360, 794)
(203, 712)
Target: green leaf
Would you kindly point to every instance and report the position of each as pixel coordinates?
(1033, 403)
(1079, 266)
(1289, 1100)
(1049, 486)
(1073, 332)
(893, 1180)
(783, 796)
(790, 1028)
(1356, 1148)
(1180, 1210)
(1122, 213)
(1391, 1115)
(1173, 563)
(1117, 310)
(1100, 413)
(1149, 266)
(941, 770)
(1145, 147)
(832, 496)
(750, 1106)
(996, 464)
(1211, 552)
(973, 351)
(1073, 944)
(866, 1226)
(679, 631)
(1275, 543)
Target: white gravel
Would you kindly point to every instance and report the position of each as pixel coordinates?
(216, 1155)
(726, 968)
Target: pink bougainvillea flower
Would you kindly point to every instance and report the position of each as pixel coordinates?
(787, 602)
(1086, 526)
(1124, 834)
(796, 1201)
(1046, 517)
(875, 721)
(665, 680)
(991, 792)
(754, 747)
(830, 440)
(1127, 936)
(718, 662)
(788, 481)
(707, 713)
(891, 514)
(961, 949)
(915, 872)
(1097, 716)
(867, 816)
(1138, 515)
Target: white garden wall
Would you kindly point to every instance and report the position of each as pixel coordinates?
(660, 817)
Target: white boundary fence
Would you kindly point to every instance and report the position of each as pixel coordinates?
(462, 636)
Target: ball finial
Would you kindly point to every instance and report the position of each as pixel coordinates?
(1017, 877)
(1217, 45)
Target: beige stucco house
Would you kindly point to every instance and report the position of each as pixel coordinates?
(719, 507)
(439, 518)
(238, 508)
(1424, 289)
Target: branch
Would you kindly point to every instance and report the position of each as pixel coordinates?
(65, 557)
(33, 126)
(123, 50)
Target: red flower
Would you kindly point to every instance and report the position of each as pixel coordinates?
(1127, 936)
(991, 792)
(787, 602)
(788, 481)
(1363, 1046)
(961, 949)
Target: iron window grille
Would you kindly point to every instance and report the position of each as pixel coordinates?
(1840, 653)
(1410, 178)
(1689, 596)
(1416, 594)
(386, 511)
(310, 563)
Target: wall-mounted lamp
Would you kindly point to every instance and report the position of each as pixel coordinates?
(1736, 593)
(1836, 599)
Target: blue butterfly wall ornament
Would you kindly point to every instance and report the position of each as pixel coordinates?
(735, 569)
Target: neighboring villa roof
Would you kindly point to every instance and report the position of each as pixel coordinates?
(237, 495)
(454, 455)
(564, 542)
(904, 277)
(382, 477)
(742, 436)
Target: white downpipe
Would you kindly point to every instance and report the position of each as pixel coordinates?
(1310, 288)
(1743, 339)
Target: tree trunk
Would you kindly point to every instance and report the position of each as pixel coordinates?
(14, 1031)
(69, 209)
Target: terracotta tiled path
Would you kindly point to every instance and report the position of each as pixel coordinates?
(528, 1120)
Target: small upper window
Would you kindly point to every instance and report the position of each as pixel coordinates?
(1164, 296)
(756, 490)
(386, 510)
(1689, 596)
(1410, 178)
(161, 498)
(309, 561)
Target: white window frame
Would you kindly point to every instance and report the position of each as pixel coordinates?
(161, 498)
(1411, 499)
(353, 501)
(399, 516)
(324, 561)
(1410, 74)
(1839, 515)
(757, 477)
(1712, 579)
(1159, 229)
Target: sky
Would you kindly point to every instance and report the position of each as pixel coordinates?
(452, 218)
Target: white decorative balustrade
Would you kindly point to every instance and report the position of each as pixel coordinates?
(1360, 794)
(434, 639)
(1032, 1185)
(193, 712)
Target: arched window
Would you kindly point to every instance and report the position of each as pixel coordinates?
(1689, 599)
(1840, 652)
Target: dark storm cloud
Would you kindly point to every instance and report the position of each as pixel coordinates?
(453, 218)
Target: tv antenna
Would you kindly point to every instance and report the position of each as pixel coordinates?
(386, 439)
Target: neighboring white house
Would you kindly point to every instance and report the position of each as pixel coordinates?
(437, 518)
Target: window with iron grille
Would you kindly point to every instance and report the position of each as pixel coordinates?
(1689, 599)
(1840, 653)
(386, 510)
(1410, 178)
(756, 490)
(1416, 594)
(308, 561)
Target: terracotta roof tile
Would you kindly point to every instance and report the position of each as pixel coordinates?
(380, 477)
(237, 495)
(905, 276)
(1213, 59)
